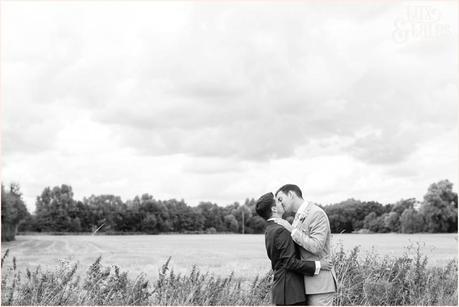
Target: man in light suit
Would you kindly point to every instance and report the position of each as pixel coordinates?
(310, 230)
(288, 283)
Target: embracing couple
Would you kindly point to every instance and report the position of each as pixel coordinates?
(299, 253)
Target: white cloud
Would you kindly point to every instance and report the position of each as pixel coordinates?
(206, 101)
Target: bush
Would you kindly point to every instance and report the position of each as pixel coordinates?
(211, 230)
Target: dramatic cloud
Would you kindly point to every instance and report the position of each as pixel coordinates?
(224, 101)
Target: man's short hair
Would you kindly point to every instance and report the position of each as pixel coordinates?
(290, 187)
(264, 205)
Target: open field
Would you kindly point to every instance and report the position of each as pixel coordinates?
(135, 270)
(217, 254)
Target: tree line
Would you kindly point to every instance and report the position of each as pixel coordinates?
(58, 211)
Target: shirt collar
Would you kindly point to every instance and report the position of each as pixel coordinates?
(303, 208)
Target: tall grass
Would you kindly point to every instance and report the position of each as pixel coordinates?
(404, 280)
(362, 280)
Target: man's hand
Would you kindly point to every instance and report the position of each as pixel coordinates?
(284, 223)
(326, 264)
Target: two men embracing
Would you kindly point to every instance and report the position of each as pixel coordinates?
(299, 253)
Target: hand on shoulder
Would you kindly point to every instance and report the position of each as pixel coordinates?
(283, 223)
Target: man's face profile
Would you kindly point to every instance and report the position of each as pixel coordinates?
(283, 200)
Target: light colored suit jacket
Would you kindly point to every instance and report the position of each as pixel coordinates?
(312, 233)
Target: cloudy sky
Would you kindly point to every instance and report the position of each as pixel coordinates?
(222, 101)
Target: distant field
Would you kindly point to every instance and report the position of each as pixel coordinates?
(219, 254)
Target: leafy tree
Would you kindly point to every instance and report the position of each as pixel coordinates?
(80, 214)
(183, 218)
(402, 205)
(411, 221)
(52, 208)
(190, 220)
(149, 224)
(338, 222)
(392, 221)
(375, 223)
(14, 211)
(231, 223)
(58, 211)
(440, 207)
(349, 215)
(107, 212)
(212, 214)
(256, 224)
(368, 221)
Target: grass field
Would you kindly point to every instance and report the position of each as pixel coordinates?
(363, 278)
(217, 254)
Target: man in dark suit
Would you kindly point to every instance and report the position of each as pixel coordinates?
(288, 284)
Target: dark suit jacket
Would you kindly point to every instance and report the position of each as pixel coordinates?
(289, 271)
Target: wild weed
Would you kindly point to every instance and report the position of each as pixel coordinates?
(362, 280)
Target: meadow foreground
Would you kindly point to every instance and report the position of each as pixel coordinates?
(369, 279)
(218, 254)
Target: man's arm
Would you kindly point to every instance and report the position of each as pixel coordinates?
(315, 241)
(288, 258)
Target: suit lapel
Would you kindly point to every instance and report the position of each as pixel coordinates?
(302, 214)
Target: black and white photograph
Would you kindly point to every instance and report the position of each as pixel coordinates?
(229, 153)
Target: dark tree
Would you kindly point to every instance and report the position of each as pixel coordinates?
(440, 207)
(14, 212)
